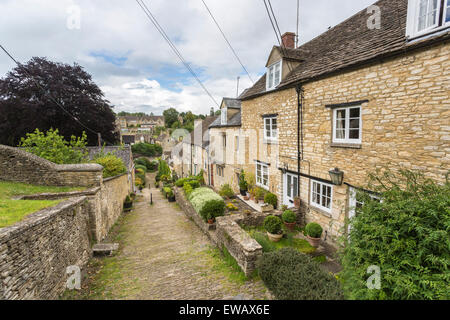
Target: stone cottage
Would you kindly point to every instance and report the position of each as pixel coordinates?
(360, 96)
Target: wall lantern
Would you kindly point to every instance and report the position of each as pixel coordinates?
(285, 167)
(336, 176)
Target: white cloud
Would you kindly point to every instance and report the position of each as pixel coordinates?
(144, 74)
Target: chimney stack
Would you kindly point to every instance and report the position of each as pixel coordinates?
(288, 40)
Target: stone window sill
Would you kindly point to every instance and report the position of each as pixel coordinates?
(270, 141)
(346, 145)
(322, 212)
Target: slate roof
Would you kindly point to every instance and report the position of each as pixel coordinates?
(122, 152)
(234, 121)
(350, 44)
(232, 103)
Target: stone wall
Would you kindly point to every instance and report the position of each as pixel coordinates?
(404, 123)
(21, 166)
(226, 232)
(35, 252)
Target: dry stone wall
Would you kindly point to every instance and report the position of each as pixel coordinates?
(35, 252)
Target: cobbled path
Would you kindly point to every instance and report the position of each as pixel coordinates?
(169, 258)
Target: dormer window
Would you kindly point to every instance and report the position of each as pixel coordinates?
(427, 16)
(273, 75)
(223, 116)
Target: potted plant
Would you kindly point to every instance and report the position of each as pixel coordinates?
(127, 204)
(259, 196)
(171, 196)
(243, 186)
(210, 219)
(297, 202)
(273, 226)
(313, 233)
(272, 199)
(252, 194)
(289, 219)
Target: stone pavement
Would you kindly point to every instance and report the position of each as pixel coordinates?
(165, 256)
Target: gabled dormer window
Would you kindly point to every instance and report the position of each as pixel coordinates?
(427, 16)
(223, 116)
(273, 77)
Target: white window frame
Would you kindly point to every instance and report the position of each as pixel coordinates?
(195, 169)
(270, 69)
(260, 179)
(323, 185)
(347, 125)
(223, 116)
(273, 132)
(412, 24)
(236, 143)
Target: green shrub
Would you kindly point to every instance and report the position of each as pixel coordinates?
(146, 149)
(163, 168)
(272, 199)
(180, 182)
(167, 191)
(226, 191)
(194, 184)
(187, 189)
(243, 185)
(112, 166)
(314, 230)
(273, 225)
(289, 216)
(292, 275)
(207, 203)
(55, 148)
(264, 242)
(139, 166)
(406, 235)
(259, 193)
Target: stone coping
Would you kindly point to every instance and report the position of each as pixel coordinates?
(59, 195)
(37, 218)
(115, 177)
(82, 167)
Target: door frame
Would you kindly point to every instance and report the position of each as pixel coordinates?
(286, 200)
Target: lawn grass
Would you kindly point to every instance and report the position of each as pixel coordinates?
(12, 211)
(288, 241)
(224, 263)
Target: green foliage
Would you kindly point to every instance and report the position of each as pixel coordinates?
(141, 167)
(288, 216)
(187, 189)
(273, 225)
(226, 191)
(207, 203)
(170, 117)
(194, 181)
(314, 230)
(271, 198)
(406, 235)
(55, 148)
(146, 149)
(292, 275)
(163, 168)
(150, 165)
(259, 193)
(243, 185)
(180, 182)
(112, 165)
(232, 207)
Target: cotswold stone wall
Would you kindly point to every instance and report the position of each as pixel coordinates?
(21, 166)
(35, 252)
(227, 233)
(404, 123)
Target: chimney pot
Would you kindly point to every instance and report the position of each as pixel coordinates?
(288, 40)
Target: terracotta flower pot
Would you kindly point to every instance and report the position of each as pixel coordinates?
(315, 242)
(210, 221)
(274, 237)
(297, 202)
(290, 226)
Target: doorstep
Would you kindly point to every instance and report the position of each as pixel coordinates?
(256, 206)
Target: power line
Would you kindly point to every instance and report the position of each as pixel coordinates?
(278, 35)
(228, 42)
(48, 93)
(160, 29)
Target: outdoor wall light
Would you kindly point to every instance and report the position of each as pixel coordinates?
(336, 176)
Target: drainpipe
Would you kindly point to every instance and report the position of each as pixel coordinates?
(299, 90)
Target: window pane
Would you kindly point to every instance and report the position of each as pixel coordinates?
(271, 77)
(340, 134)
(295, 184)
(274, 123)
(289, 186)
(447, 16)
(354, 134)
(354, 124)
(354, 113)
(340, 114)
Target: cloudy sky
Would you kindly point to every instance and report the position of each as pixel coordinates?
(135, 67)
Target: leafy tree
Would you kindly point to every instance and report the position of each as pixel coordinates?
(407, 235)
(146, 149)
(112, 165)
(170, 116)
(211, 112)
(53, 147)
(25, 107)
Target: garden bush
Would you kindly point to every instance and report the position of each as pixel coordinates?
(288, 216)
(314, 230)
(273, 225)
(180, 182)
(271, 198)
(292, 275)
(226, 191)
(139, 166)
(146, 149)
(259, 193)
(112, 165)
(207, 203)
(407, 236)
(187, 189)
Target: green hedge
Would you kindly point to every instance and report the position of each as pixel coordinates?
(148, 150)
(292, 275)
(207, 203)
(112, 165)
